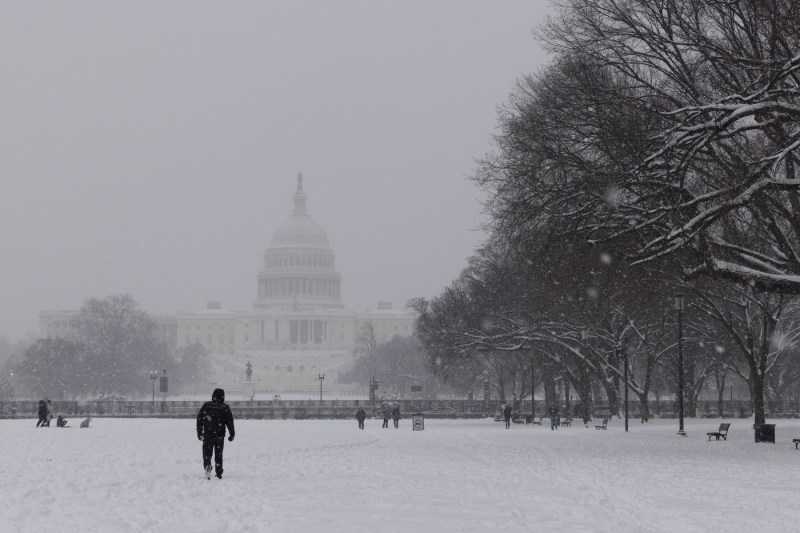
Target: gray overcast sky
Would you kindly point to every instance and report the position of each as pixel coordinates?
(151, 148)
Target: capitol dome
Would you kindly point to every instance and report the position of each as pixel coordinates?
(299, 231)
(299, 271)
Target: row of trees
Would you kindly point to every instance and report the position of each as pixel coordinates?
(655, 154)
(111, 347)
(397, 364)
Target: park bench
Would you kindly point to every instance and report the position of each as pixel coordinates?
(604, 425)
(796, 442)
(566, 422)
(721, 432)
(538, 421)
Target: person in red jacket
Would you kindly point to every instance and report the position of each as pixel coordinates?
(212, 420)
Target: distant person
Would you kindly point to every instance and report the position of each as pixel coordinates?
(361, 415)
(85, 422)
(396, 415)
(507, 415)
(42, 412)
(555, 420)
(61, 422)
(387, 414)
(49, 412)
(212, 419)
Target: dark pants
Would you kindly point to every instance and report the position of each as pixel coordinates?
(508, 422)
(396, 423)
(42, 421)
(213, 446)
(385, 423)
(360, 424)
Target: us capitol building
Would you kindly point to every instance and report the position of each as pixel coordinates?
(297, 329)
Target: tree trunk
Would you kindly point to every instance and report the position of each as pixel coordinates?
(549, 384)
(720, 379)
(757, 393)
(585, 393)
(692, 389)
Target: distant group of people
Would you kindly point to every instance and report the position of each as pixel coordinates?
(555, 417)
(388, 412)
(46, 416)
(45, 413)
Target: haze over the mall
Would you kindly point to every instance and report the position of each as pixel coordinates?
(151, 148)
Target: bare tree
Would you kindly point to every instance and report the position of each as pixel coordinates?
(120, 345)
(668, 128)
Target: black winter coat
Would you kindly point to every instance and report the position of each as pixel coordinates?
(214, 417)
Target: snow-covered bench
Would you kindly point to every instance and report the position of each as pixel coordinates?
(796, 442)
(604, 425)
(721, 432)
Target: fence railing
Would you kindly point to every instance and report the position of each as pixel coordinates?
(299, 409)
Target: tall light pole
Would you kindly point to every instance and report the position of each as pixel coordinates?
(153, 377)
(622, 353)
(679, 305)
(585, 408)
(373, 386)
(533, 391)
(321, 378)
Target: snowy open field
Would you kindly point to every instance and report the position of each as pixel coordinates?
(327, 476)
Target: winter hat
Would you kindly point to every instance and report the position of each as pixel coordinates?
(218, 395)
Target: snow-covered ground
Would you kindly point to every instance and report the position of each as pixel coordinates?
(145, 475)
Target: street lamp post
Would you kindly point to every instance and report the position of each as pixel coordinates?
(679, 305)
(533, 392)
(153, 377)
(321, 378)
(622, 353)
(373, 386)
(585, 408)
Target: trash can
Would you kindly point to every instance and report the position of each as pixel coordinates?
(418, 422)
(765, 432)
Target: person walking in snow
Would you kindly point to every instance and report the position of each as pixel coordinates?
(360, 416)
(396, 415)
(212, 420)
(387, 414)
(42, 412)
(555, 420)
(507, 415)
(49, 416)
